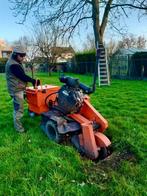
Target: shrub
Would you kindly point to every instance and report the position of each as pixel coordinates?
(2, 64)
(84, 62)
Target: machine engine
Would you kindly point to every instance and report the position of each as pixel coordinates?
(71, 95)
(70, 99)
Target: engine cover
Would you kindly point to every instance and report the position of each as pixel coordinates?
(70, 99)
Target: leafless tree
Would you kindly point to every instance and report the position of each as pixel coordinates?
(112, 46)
(129, 41)
(89, 43)
(69, 14)
(132, 41)
(46, 40)
(32, 54)
(141, 42)
(28, 43)
(23, 41)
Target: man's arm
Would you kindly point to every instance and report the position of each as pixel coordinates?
(19, 73)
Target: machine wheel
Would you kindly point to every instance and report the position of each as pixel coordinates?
(103, 153)
(52, 132)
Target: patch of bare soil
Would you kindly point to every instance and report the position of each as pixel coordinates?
(114, 160)
(99, 171)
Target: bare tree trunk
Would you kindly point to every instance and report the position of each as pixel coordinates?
(49, 70)
(99, 30)
(32, 70)
(96, 23)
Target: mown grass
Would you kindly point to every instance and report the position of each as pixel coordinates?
(30, 164)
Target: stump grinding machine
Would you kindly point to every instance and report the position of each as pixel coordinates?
(67, 113)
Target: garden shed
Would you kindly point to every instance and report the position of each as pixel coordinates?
(129, 63)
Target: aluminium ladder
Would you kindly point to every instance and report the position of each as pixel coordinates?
(103, 70)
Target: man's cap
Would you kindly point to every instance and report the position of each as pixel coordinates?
(19, 50)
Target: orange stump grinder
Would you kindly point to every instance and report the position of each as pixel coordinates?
(67, 112)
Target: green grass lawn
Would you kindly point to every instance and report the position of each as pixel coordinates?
(30, 164)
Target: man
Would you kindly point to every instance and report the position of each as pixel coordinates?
(16, 83)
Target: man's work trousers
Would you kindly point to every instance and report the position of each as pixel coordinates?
(18, 100)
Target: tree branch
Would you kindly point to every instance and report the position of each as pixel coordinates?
(129, 5)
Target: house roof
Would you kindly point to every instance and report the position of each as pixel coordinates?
(7, 51)
(60, 50)
(130, 51)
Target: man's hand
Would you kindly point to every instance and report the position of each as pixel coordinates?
(37, 82)
(34, 82)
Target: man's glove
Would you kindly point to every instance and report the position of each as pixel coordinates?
(34, 82)
(37, 82)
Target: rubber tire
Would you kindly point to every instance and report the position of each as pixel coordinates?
(52, 132)
(103, 153)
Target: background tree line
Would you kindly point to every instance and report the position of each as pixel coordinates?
(70, 16)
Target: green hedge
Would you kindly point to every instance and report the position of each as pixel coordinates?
(2, 64)
(84, 62)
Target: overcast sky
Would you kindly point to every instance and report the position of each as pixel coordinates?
(11, 31)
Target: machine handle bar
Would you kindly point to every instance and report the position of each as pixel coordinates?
(74, 82)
